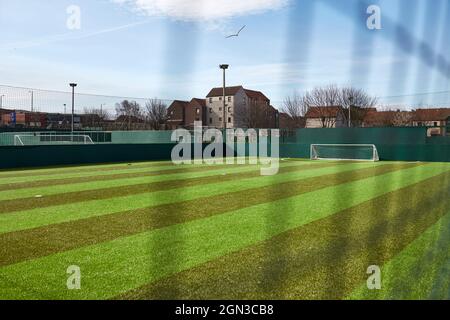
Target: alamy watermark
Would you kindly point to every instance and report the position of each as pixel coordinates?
(374, 280)
(74, 280)
(374, 20)
(228, 150)
(73, 21)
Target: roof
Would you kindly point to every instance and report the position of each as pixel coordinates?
(440, 114)
(178, 103)
(258, 95)
(201, 102)
(229, 91)
(379, 118)
(321, 112)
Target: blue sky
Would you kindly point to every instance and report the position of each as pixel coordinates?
(171, 49)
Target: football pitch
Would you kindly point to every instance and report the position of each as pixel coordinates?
(155, 230)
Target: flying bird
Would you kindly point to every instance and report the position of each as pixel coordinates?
(237, 34)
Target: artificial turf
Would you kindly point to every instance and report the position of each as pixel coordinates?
(157, 231)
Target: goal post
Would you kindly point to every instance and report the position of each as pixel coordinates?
(51, 139)
(349, 152)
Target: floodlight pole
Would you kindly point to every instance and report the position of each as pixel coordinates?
(350, 112)
(73, 85)
(224, 67)
(32, 100)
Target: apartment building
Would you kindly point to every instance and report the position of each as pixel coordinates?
(243, 108)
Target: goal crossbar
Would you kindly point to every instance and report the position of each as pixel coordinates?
(48, 139)
(370, 149)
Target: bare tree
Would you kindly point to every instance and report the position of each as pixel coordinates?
(128, 113)
(95, 117)
(295, 108)
(348, 97)
(402, 118)
(156, 113)
(257, 114)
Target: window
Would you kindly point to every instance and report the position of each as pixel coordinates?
(210, 100)
(197, 110)
(220, 98)
(210, 110)
(210, 120)
(220, 108)
(220, 119)
(229, 99)
(435, 124)
(229, 119)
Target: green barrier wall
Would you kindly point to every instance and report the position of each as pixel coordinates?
(385, 136)
(395, 144)
(53, 155)
(50, 155)
(41, 156)
(424, 152)
(141, 136)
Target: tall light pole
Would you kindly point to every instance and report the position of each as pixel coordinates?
(350, 111)
(32, 99)
(224, 67)
(73, 85)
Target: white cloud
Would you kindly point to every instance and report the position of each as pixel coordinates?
(204, 10)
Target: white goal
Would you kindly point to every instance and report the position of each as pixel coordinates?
(50, 139)
(350, 152)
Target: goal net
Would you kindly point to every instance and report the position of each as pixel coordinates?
(50, 139)
(356, 152)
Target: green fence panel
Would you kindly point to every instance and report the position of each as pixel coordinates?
(51, 155)
(407, 135)
(141, 136)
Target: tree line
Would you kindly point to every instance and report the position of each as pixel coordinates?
(129, 115)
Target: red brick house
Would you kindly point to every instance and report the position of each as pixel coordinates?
(183, 114)
(195, 111)
(176, 114)
(436, 119)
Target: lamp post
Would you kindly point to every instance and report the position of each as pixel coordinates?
(73, 85)
(350, 112)
(224, 67)
(32, 99)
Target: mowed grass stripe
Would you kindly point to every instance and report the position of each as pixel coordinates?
(111, 176)
(171, 174)
(160, 182)
(325, 259)
(131, 168)
(60, 176)
(46, 240)
(420, 272)
(38, 217)
(117, 266)
(8, 173)
(182, 173)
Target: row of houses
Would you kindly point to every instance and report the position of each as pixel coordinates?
(250, 108)
(436, 119)
(242, 108)
(39, 120)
